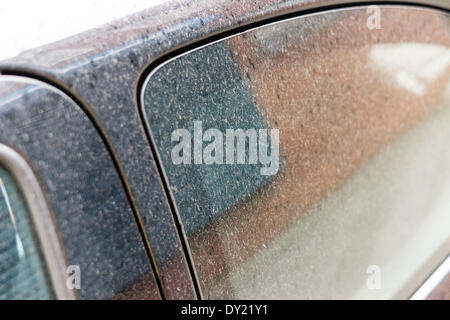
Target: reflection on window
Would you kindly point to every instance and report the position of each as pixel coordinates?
(22, 272)
(205, 86)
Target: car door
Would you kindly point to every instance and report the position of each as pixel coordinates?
(268, 151)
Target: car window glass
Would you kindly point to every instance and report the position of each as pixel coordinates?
(341, 188)
(23, 273)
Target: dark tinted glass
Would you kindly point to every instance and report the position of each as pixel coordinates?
(23, 273)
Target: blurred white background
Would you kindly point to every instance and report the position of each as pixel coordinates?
(25, 24)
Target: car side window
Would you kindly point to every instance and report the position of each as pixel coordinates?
(309, 158)
(23, 273)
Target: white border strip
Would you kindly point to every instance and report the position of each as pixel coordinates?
(432, 281)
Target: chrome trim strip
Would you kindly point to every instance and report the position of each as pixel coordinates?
(432, 281)
(41, 218)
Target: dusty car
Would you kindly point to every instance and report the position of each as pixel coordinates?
(231, 150)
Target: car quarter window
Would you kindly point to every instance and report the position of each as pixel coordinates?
(23, 273)
(101, 252)
(309, 158)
